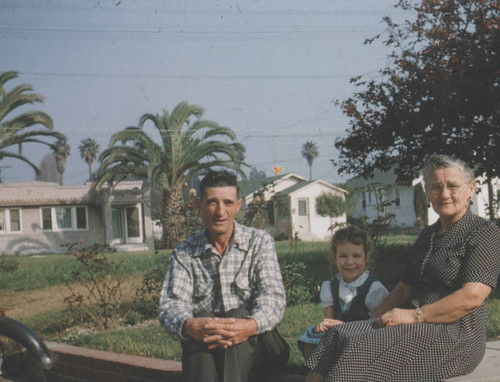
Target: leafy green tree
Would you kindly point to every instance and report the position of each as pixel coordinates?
(89, 150)
(255, 173)
(330, 205)
(188, 146)
(257, 211)
(310, 152)
(61, 152)
(17, 130)
(439, 93)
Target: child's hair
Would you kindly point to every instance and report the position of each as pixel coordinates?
(353, 235)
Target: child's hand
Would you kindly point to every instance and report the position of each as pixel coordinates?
(326, 324)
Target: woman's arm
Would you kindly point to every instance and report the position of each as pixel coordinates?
(397, 298)
(457, 304)
(446, 310)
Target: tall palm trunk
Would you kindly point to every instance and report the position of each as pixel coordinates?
(171, 219)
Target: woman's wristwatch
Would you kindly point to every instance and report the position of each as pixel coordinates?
(420, 315)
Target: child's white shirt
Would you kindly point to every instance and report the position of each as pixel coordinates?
(347, 291)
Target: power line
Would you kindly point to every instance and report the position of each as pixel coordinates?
(195, 76)
(186, 31)
(119, 7)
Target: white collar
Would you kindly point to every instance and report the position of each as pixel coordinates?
(347, 291)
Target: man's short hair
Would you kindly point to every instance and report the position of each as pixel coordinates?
(221, 178)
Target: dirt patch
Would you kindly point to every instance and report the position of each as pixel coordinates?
(20, 305)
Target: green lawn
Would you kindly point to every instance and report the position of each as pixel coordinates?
(19, 273)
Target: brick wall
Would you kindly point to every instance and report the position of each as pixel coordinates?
(76, 364)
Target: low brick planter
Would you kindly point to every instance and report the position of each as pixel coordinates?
(77, 364)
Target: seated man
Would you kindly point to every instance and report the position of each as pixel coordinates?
(223, 294)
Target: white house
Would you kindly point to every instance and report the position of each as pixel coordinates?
(292, 205)
(369, 193)
(41, 216)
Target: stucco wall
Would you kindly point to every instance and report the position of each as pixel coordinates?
(318, 225)
(32, 239)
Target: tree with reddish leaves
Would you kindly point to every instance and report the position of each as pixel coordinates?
(440, 93)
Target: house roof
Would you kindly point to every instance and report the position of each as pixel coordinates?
(300, 183)
(33, 193)
(379, 177)
(42, 193)
(248, 187)
(306, 183)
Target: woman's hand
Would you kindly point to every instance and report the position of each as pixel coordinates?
(326, 324)
(396, 317)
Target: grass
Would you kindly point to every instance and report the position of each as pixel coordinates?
(149, 339)
(41, 271)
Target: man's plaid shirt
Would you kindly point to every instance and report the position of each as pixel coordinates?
(198, 280)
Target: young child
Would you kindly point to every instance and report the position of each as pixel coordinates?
(353, 294)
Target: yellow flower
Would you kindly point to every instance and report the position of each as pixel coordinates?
(277, 170)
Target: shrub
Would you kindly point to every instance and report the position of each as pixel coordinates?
(300, 285)
(8, 264)
(100, 279)
(133, 318)
(148, 294)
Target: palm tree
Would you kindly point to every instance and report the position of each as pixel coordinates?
(181, 154)
(310, 152)
(16, 131)
(89, 149)
(61, 153)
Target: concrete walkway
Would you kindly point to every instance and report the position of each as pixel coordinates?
(97, 366)
(489, 368)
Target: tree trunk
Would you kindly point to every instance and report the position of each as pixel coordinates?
(170, 220)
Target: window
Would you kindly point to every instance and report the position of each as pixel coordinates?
(46, 219)
(10, 220)
(64, 218)
(363, 200)
(81, 218)
(302, 207)
(397, 199)
(15, 221)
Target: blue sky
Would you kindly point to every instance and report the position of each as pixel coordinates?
(271, 71)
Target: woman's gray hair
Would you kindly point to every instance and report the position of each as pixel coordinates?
(438, 161)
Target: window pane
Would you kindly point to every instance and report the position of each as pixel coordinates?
(15, 222)
(133, 222)
(302, 208)
(117, 223)
(2, 220)
(81, 218)
(63, 217)
(46, 219)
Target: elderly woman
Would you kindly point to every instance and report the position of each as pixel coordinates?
(433, 324)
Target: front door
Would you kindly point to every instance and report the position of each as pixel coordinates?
(303, 220)
(127, 227)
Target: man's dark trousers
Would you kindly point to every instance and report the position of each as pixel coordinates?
(259, 356)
